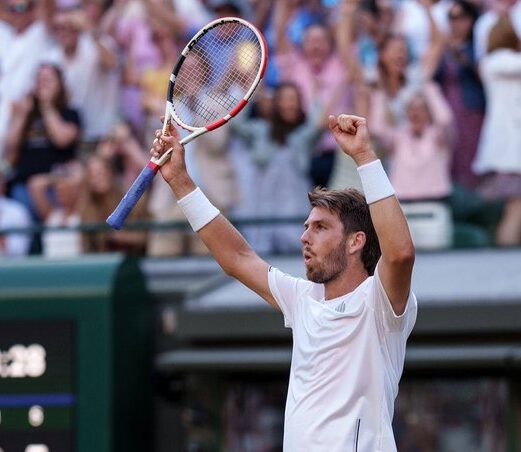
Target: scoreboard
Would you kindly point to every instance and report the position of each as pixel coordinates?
(74, 361)
(37, 398)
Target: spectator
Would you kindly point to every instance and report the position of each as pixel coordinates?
(397, 78)
(101, 195)
(499, 152)
(153, 80)
(281, 149)
(375, 21)
(123, 150)
(25, 39)
(55, 196)
(139, 30)
(420, 148)
(90, 67)
(420, 161)
(13, 215)
(317, 69)
(43, 132)
(453, 63)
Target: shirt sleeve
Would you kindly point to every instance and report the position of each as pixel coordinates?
(393, 330)
(286, 290)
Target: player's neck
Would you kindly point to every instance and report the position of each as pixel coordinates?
(346, 282)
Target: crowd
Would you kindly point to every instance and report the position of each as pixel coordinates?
(82, 86)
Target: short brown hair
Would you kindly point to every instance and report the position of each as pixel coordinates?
(502, 36)
(352, 209)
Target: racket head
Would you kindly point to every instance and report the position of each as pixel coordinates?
(216, 74)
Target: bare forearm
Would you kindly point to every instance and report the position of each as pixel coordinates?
(61, 133)
(13, 139)
(219, 235)
(107, 58)
(395, 265)
(344, 31)
(388, 220)
(392, 230)
(281, 19)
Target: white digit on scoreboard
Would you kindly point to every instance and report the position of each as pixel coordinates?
(36, 448)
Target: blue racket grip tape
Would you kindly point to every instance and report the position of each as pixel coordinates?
(134, 193)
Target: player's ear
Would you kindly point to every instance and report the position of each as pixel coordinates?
(355, 242)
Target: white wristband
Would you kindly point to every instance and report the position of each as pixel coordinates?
(199, 211)
(375, 182)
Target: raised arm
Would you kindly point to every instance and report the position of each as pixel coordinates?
(344, 38)
(442, 116)
(434, 52)
(281, 20)
(395, 265)
(225, 243)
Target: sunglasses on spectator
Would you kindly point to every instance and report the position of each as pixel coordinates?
(20, 8)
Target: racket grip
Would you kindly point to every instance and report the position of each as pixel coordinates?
(134, 193)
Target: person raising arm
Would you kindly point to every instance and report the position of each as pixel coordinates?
(350, 319)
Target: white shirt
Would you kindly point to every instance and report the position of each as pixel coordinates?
(93, 91)
(20, 57)
(14, 215)
(348, 356)
(59, 244)
(499, 146)
(485, 23)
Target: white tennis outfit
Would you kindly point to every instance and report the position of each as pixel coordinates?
(348, 356)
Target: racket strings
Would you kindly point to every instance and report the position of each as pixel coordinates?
(217, 73)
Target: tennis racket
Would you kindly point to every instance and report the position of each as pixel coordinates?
(212, 81)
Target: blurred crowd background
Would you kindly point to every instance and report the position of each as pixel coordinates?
(82, 87)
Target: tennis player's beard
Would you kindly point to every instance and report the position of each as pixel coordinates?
(334, 264)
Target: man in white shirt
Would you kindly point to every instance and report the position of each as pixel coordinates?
(351, 319)
(89, 63)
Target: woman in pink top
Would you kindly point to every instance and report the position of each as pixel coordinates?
(419, 149)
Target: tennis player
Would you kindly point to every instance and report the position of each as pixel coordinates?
(351, 319)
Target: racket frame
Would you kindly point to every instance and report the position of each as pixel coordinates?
(169, 107)
(143, 181)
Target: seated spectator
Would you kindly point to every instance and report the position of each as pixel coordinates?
(420, 161)
(125, 153)
(43, 132)
(55, 197)
(454, 66)
(281, 149)
(89, 62)
(101, 194)
(13, 215)
(499, 153)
